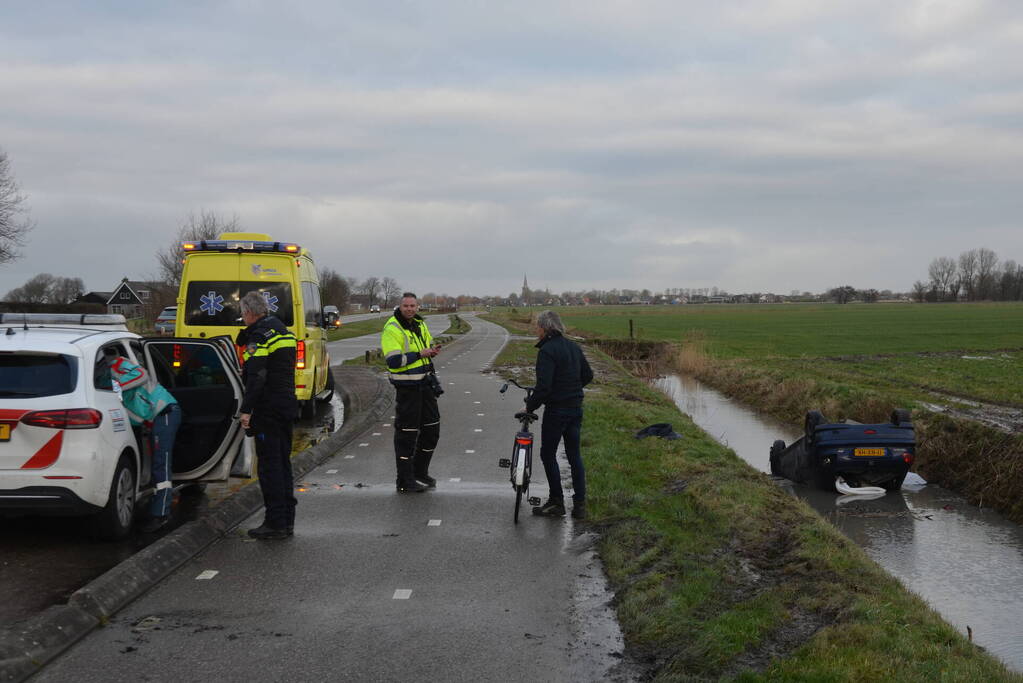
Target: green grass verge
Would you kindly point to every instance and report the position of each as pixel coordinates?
(357, 329)
(718, 573)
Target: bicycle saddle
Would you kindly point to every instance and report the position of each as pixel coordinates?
(525, 415)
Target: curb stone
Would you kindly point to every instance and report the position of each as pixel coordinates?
(41, 638)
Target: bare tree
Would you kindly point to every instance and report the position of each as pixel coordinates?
(919, 291)
(370, 287)
(943, 277)
(968, 273)
(207, 226)
(334, 289)
(14, 224)
(843, 294)
(66, 290)
(391, 291)
(987, 265)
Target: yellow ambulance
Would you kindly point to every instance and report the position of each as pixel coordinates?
(218, 273)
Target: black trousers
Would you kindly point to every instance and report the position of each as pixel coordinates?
(416, 431)
(273, 448)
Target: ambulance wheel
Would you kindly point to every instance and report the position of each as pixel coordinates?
(329, 387)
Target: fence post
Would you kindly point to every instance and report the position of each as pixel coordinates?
(630, 329)
(367, 355)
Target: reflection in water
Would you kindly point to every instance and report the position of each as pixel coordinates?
(966, 562)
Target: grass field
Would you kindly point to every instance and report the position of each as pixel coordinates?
(911, 352)
(812, 330)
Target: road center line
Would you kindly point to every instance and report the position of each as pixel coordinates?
(207, 575)
(402, 594)
(433, 522)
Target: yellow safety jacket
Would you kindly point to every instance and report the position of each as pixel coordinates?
(401, 346)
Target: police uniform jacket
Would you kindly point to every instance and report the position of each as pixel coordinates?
(269, 369)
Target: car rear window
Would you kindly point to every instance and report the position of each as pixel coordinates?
(32, 375)
(215, 302)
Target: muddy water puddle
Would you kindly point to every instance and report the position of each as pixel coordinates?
(966, 562)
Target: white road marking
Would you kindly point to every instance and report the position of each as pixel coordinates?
(455, 480)
(433, 522)
(476, 402)
(376, 433)
(207, 575)
(402, 594)
(469, 450)
(480, 414)
(477, 430)
(363, 445)
(468, 392)
(386, 425)
(331, 471)
(349, 457)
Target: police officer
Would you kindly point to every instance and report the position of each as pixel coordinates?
(268, 410)
(408, 347)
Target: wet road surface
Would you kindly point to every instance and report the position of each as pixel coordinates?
(966, 562)
(380, 586)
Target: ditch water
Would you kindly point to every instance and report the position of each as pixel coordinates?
(965, 561)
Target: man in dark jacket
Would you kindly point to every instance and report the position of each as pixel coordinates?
(268, 411)
(561, 374)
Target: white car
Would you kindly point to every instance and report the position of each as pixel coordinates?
(66, 445)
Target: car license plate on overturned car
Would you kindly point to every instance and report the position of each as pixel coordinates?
(869, 451)
(5, 432)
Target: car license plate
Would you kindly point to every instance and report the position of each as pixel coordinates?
(869, 451)
(5, 432)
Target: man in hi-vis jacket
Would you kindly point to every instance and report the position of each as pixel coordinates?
(408, 348)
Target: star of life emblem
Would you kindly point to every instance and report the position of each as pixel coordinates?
(271, 301)
(212, 303)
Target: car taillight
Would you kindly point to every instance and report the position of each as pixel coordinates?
(75, 418)
(904, 453)
(300, 356)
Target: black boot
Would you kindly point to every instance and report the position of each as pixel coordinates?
(422, 467)
(406, 478)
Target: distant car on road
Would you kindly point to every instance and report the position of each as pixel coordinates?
(67, 447)
(375, 308)
(165, 321)
(331, 317)
(859, 454)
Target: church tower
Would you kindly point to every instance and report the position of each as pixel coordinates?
(525, 290)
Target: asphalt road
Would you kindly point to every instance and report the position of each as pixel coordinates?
(377, 586)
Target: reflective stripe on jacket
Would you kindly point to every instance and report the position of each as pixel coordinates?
(268, 369)
(401, 346)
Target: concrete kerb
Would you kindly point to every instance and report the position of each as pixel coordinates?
(45, 636)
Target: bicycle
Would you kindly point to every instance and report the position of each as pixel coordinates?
(521, 462)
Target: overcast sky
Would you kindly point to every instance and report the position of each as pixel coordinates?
(754, 145)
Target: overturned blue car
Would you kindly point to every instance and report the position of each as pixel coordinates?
(848, 454)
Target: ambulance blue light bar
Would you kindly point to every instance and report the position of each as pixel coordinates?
(241, 245)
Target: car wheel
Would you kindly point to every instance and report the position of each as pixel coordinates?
(813, 419)
(328, 387)
(776, 449)
(114, 521)
(901, 416)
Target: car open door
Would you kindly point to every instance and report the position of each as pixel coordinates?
(204, 377)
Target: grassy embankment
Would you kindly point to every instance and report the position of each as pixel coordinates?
(857, 362)
(718, 573)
